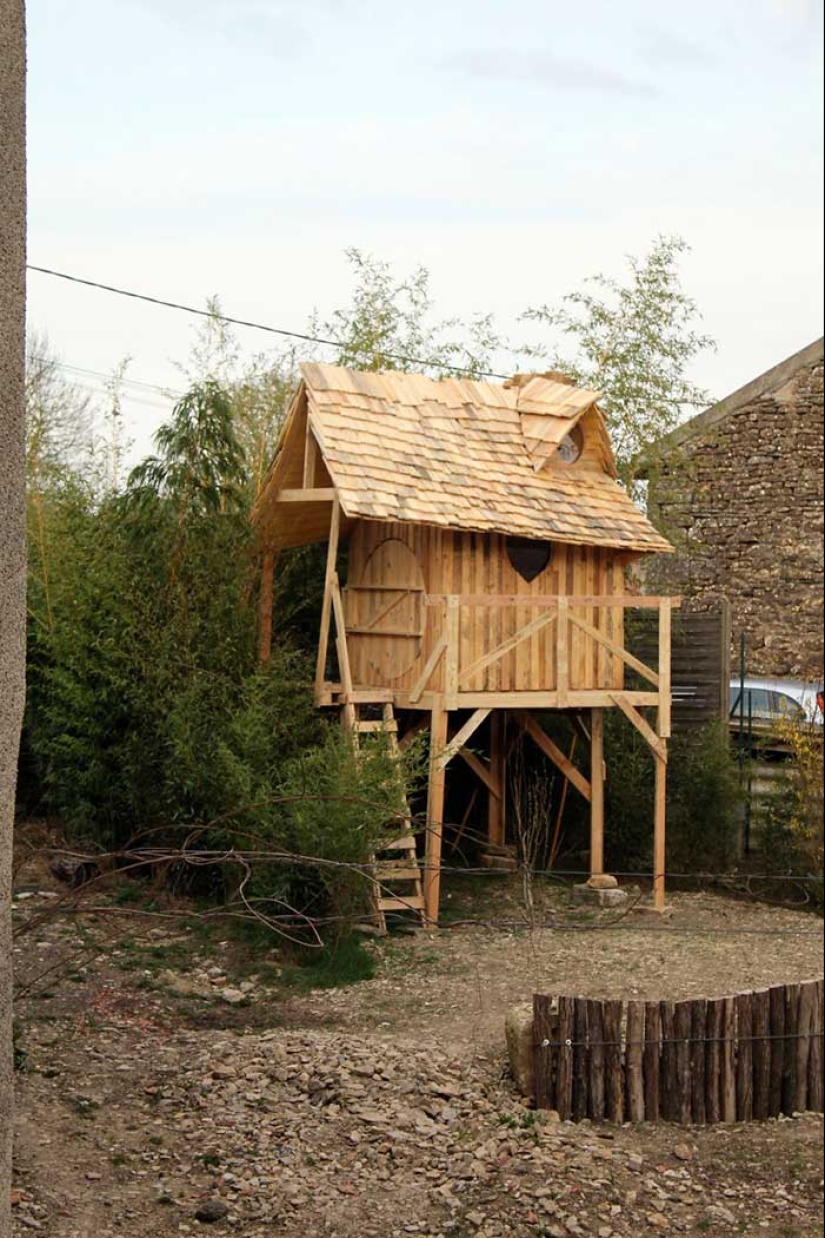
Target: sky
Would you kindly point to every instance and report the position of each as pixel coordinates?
(191, 148)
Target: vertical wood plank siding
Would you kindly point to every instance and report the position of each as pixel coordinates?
(452, 561)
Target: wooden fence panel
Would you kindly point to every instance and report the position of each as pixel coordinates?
(753, 1056)
(700, 661)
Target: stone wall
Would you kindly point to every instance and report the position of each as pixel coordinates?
(742, 499)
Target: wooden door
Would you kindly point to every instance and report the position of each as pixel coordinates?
(385, 614)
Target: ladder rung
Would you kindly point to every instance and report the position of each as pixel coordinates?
(414, 903)
(407, 843)
(398, 874)
(389, 727)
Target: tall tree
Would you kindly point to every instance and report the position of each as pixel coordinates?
(59, 426)
(634, 341)
(12, 519)
(389, 325)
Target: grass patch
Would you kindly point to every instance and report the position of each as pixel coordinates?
(335, 965)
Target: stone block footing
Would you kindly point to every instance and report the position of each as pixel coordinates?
(589, 896)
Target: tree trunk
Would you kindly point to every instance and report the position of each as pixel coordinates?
(12, 519)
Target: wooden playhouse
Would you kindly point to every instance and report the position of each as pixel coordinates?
(488, 540)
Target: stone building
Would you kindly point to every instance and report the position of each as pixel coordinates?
(739, 489)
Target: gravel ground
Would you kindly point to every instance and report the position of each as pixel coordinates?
(170, 1092)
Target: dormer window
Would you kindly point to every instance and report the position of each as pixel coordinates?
(571, 446)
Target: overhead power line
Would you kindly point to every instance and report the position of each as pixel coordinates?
(110, 378)
(245, 322)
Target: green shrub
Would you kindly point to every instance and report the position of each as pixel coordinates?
(703, 799)
(336, 808)
(337, 963)
(791, 841)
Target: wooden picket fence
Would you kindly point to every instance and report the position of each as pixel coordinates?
(733, 1059)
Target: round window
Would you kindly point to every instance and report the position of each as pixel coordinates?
(570, 447)
(527, 557)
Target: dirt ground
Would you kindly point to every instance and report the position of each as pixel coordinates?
(175, 1082)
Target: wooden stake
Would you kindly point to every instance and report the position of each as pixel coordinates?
(815, 1081)
(615, 1088)
(652, 1060)
(596, 792)
(807, 1007)
(659, 825)
(581, 1081)
(744, 1060)
(595, 1022)
(713, 1062)
(727, 1082)
(698, 1057)
(544, 1032)
(762, 1052)
(435, 816)
(634, 1059)
(777, 1030)
(265, 606)
(564, 1066)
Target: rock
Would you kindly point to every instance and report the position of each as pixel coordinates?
(683, 1152)
(184, 986)
(599, 898)
(233, 997)
(603, 881)
(211, 1210)
(722, 1214)
(224, 1072)
(518, 1032)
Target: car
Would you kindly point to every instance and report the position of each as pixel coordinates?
(768, 703)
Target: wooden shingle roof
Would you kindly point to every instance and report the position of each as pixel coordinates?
(457, 453)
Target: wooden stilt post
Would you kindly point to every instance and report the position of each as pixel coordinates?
(596, 792)
(265, 606)
(496, 818)
(659, 861)
(435, 815)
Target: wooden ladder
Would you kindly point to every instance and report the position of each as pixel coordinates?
(396, 872)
